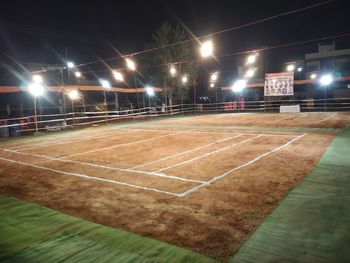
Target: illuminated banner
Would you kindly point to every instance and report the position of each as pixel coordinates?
(279, 84)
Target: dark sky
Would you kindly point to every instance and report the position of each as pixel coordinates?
(40, 31)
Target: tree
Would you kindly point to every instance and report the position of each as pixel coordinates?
(181, 56)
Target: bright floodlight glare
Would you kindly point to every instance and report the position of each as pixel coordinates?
(36, 89)
(172, 71)
(239, 85)
(77, 74)
(105, 83)
(207, 49)
(184, 79)
(214, 76)
(251, 59)
(325, 80)
(73, 94)
(290, 67)
(118, 76)
(130, 64)
(150, 91)
(250, 73)
(212, 85)
(313, 76)
(300, 69)
(70, 64)
(37, 79)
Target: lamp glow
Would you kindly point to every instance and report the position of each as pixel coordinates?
(77, 74)
(73, 94)
(130, 64)
(70, 64)
(172, 71)
(300, 69)
(212, 85)
(239, 85)
(118, 76)
(37, 79)
(250, 73)
(105, 83)
(184, 79)
(36, 89)
(325, 80)
(207, 49)
(150, 91)
(313, 76)
(290, 67)
(251, 59)
(214, 77)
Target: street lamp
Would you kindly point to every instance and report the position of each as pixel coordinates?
(118, 76)
(77, 74)
(105, 83)
(130, 64)
(206, 49)
(184, 79)
(313, 76)
(172, 71)
(214, 77)
(37, 90)
(150, 93)
(290, 67)
(300, 69)
(37, 78)
(238, 86)
(73, 95)
(250, 73)
(325, 81)
(251, 59)
(70, 64)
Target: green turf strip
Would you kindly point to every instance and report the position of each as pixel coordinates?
(312, 224)
(33, 233)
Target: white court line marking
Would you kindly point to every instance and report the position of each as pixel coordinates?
(108, 167)
(207, 154)
(239, 167)
(88, 177)
(188, 151)
(67, 141)
(120, 145)
(327, 118)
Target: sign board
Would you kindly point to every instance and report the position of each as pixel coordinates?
(279, 84)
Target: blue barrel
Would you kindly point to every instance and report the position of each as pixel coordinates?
(15, 130)
(4, 132)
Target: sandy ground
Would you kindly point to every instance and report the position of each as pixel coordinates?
(214, 220)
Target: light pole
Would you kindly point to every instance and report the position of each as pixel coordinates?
(325, 81)
(36, 89)
(106, 85)
(238, 86)
(73, 95)
(150, 93)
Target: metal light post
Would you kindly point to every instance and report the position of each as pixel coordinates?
(238, 86)
(325, 81)
(106, 85)
(36, 89)
(73, 95)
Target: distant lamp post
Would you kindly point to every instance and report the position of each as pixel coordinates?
(37, 90)
(250, 73)
(184, 79)
(172, 71)
(37, 78)
(150, 93)
(212, 85)
(251, 59)
(73, 95)
(77, 74)
(105, 83)
(118, 76)
(300, 69)
(239, 85)
(325, 81)
(130, 64)
(207, 49)
(214, 77)
(70, 64)
(290, 67)
(313, 76)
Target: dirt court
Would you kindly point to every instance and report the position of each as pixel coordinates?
(175, 179)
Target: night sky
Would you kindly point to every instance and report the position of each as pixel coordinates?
(42, 31)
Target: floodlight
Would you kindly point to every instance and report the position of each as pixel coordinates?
(70, 64)
(251, 59)
(77, 74)
(212, 85)
(291, 67)
(214, 77)
(37, 79)
(130, 64)
(325, 80)
(172, 71)
(118, 76)
(105, 83)
(184, 79)
(73, 94)
(150, 91)
(313, 76)
(239, 85)
(207, 49)
(250, 73)
(300, 69)
(36, 89)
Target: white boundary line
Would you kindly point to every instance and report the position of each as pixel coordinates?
(88, 177)
(184, 152)
(120, 145)
(239, 167)
(207, 154)
(108, 167)
(326, 118)
(67, 141)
